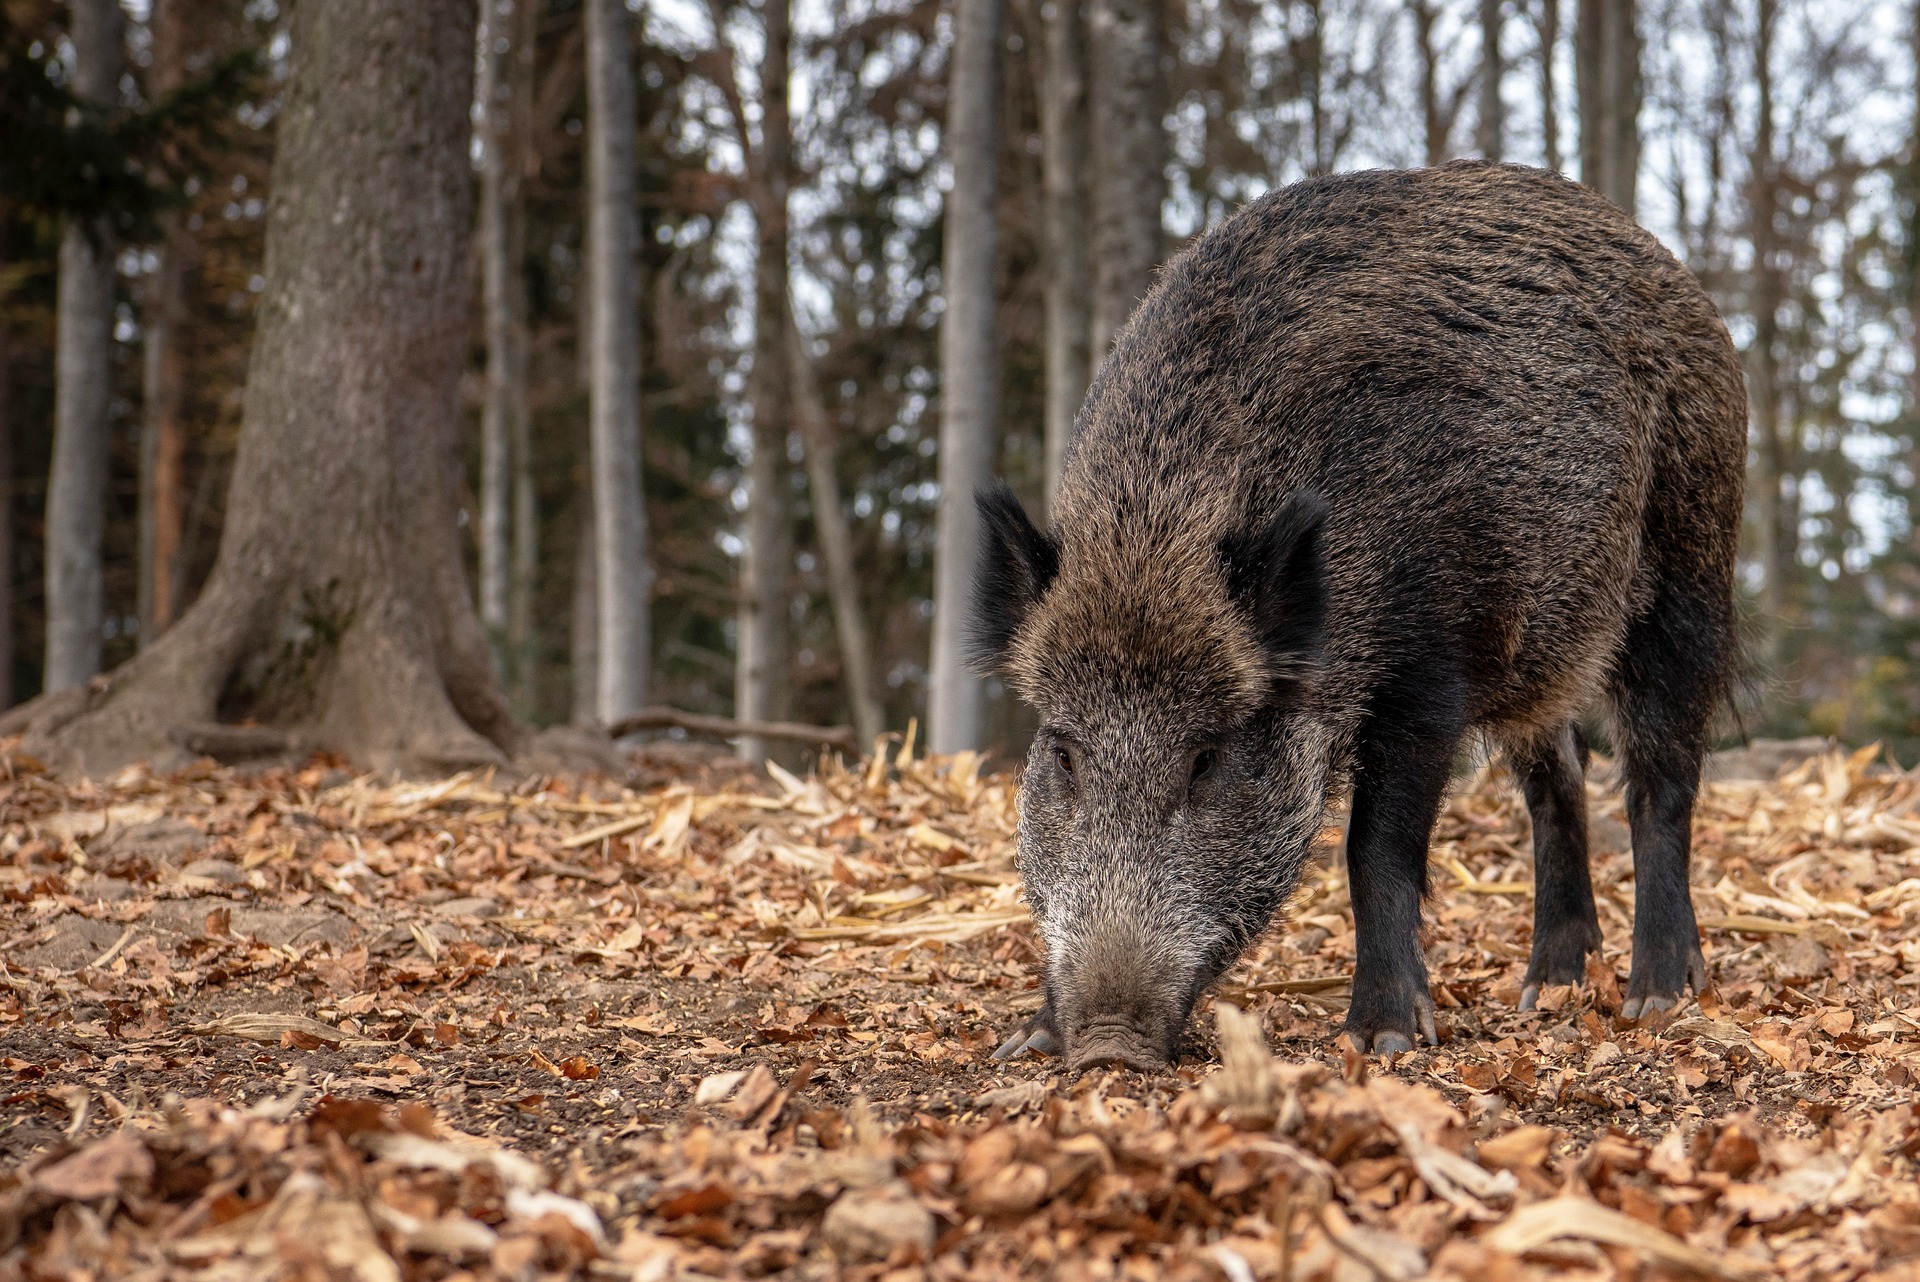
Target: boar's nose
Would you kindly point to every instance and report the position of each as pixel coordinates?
(1105, 1044)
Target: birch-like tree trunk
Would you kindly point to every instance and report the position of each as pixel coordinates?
(492, 129)
(1061, 80)
(836, 544)
(969, 364)
(760, 675)
(624, 577)
(1128, 101)
(1607, 75)
(163, 436)
(83, 389)
(1491, 129)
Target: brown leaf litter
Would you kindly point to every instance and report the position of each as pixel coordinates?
(301, 1024)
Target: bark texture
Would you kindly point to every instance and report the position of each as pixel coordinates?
(969, 366)
(338, 608)
(836, 545)
(1128, 103)
(83, 388)
(1607, 73)
(1065, 166)
(760, 676)
(624, 577)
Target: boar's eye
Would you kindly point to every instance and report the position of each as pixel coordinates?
(1202, 766)
(1064, 760)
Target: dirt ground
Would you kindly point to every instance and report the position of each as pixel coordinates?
(705, 1024)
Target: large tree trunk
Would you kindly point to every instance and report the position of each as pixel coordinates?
(1128, 101)
(83, 389)
(836, 545)
(1607, 76)
(1491, 129)
(969, 366)
(338, 607)
(1546, 26)
(760, 680)
(625, 579)
(1062, 85)
(163, 436)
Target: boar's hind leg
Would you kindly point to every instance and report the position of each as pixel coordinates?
(1552, 773)
(1396, 797)
(1664, 690)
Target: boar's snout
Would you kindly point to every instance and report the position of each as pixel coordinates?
(1111, 1045)
(1120, 1000)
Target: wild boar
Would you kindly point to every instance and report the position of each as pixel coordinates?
(1383, 459)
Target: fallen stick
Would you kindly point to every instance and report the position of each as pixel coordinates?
(841, 737)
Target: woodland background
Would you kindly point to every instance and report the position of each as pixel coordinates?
(878, 244)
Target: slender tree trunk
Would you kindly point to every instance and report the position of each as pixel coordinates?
(760, 682)
(1547, 28)
(1772, 441)
(493, 129)
(1310, 56)
(362, 639)
(1436, 122)
(1490, 134)
(524, 580)
(83, 389)
(163, 426)
(625, 579)
(1607, 67)
(836, 545)
(969, 360)
(1062, 85)
(1128, 101)
(6, 489)
(584, 638)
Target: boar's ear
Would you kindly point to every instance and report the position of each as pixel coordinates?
(1274, 574)
(1017, 563)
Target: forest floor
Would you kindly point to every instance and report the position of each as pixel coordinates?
(302, 1024)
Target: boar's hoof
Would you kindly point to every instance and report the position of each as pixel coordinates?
(1635, 1007)
(1030, 1037)
(1657, 982)
(1397, 1041)
(1391, 1043)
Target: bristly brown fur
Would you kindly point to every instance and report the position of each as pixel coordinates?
(1526, 426)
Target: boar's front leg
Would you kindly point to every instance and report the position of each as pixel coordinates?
(1552, 775)
(1398, 784)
